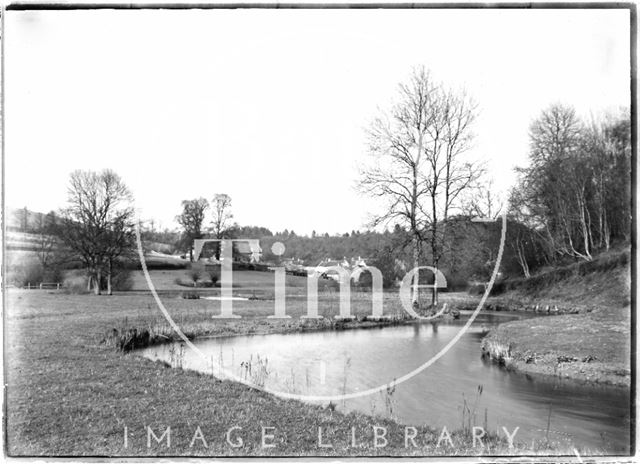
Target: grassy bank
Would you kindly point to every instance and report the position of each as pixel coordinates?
(593, 345)
(69, 393)
(134, 332)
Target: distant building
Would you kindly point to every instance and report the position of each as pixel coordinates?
(247, 251)
(324, 268)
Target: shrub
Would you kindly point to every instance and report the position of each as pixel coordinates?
(127, 339)
(190, 295)
(54, 274)
(478, 289)
(455, 283)
(33, 273)
(75, 281)
(190, 282)
(122, 280)
(194, 275)
(214, 275)
(26, 272)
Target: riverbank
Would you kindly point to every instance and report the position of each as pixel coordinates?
(68, 393)
(593, 345)
(593, 348)
(128, 337)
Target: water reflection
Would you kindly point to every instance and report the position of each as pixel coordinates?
(330, 363)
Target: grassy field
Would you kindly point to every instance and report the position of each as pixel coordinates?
(70, 393)
(247, 281)
(593, 347)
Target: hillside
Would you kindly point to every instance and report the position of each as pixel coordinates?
(603, 282)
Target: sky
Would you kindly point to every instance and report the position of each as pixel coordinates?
(271, 106)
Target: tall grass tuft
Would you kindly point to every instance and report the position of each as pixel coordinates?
(469, 414)
(497, 351)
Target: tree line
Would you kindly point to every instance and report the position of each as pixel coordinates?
(571, 201)
(574, 197)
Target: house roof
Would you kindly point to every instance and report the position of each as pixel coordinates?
(248, 246)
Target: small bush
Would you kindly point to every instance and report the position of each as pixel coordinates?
(24, 273)
(54, 274)
(477, 289)
(122, 280)
(190, 295)
(194, 275)
(214, 276)
(75, 281)
(192, 284)
(455, 284)
(127, 339)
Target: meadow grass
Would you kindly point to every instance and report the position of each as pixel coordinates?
(593, 347)
(70, 393)
(244, 280)
(72, 390)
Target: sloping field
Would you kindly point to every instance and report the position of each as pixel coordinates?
(605, 281)
(594, 345)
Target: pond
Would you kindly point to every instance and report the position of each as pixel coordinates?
(458, 384)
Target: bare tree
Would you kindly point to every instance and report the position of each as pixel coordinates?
(416, 162)
(451, 173)
(481, 201)
(553, 188)
(575, 191)
(221, 217)
(119, 244)
(221, 214)
(607, 141)
(46, 243)
(192, 219)
(97, 226)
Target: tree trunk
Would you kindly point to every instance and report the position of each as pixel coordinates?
(109, 292)
(97, 288)
(434, 293)
(416, 263)
(607, 234)
(521, 257)
(434, 253)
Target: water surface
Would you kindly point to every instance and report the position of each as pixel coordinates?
(332, 363)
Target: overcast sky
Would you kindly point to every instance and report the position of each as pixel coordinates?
(270, 106)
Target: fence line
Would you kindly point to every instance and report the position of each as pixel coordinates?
(43, 285)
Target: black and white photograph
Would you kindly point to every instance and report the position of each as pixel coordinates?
(326, 231)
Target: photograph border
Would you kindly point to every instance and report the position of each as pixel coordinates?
(631, 7)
